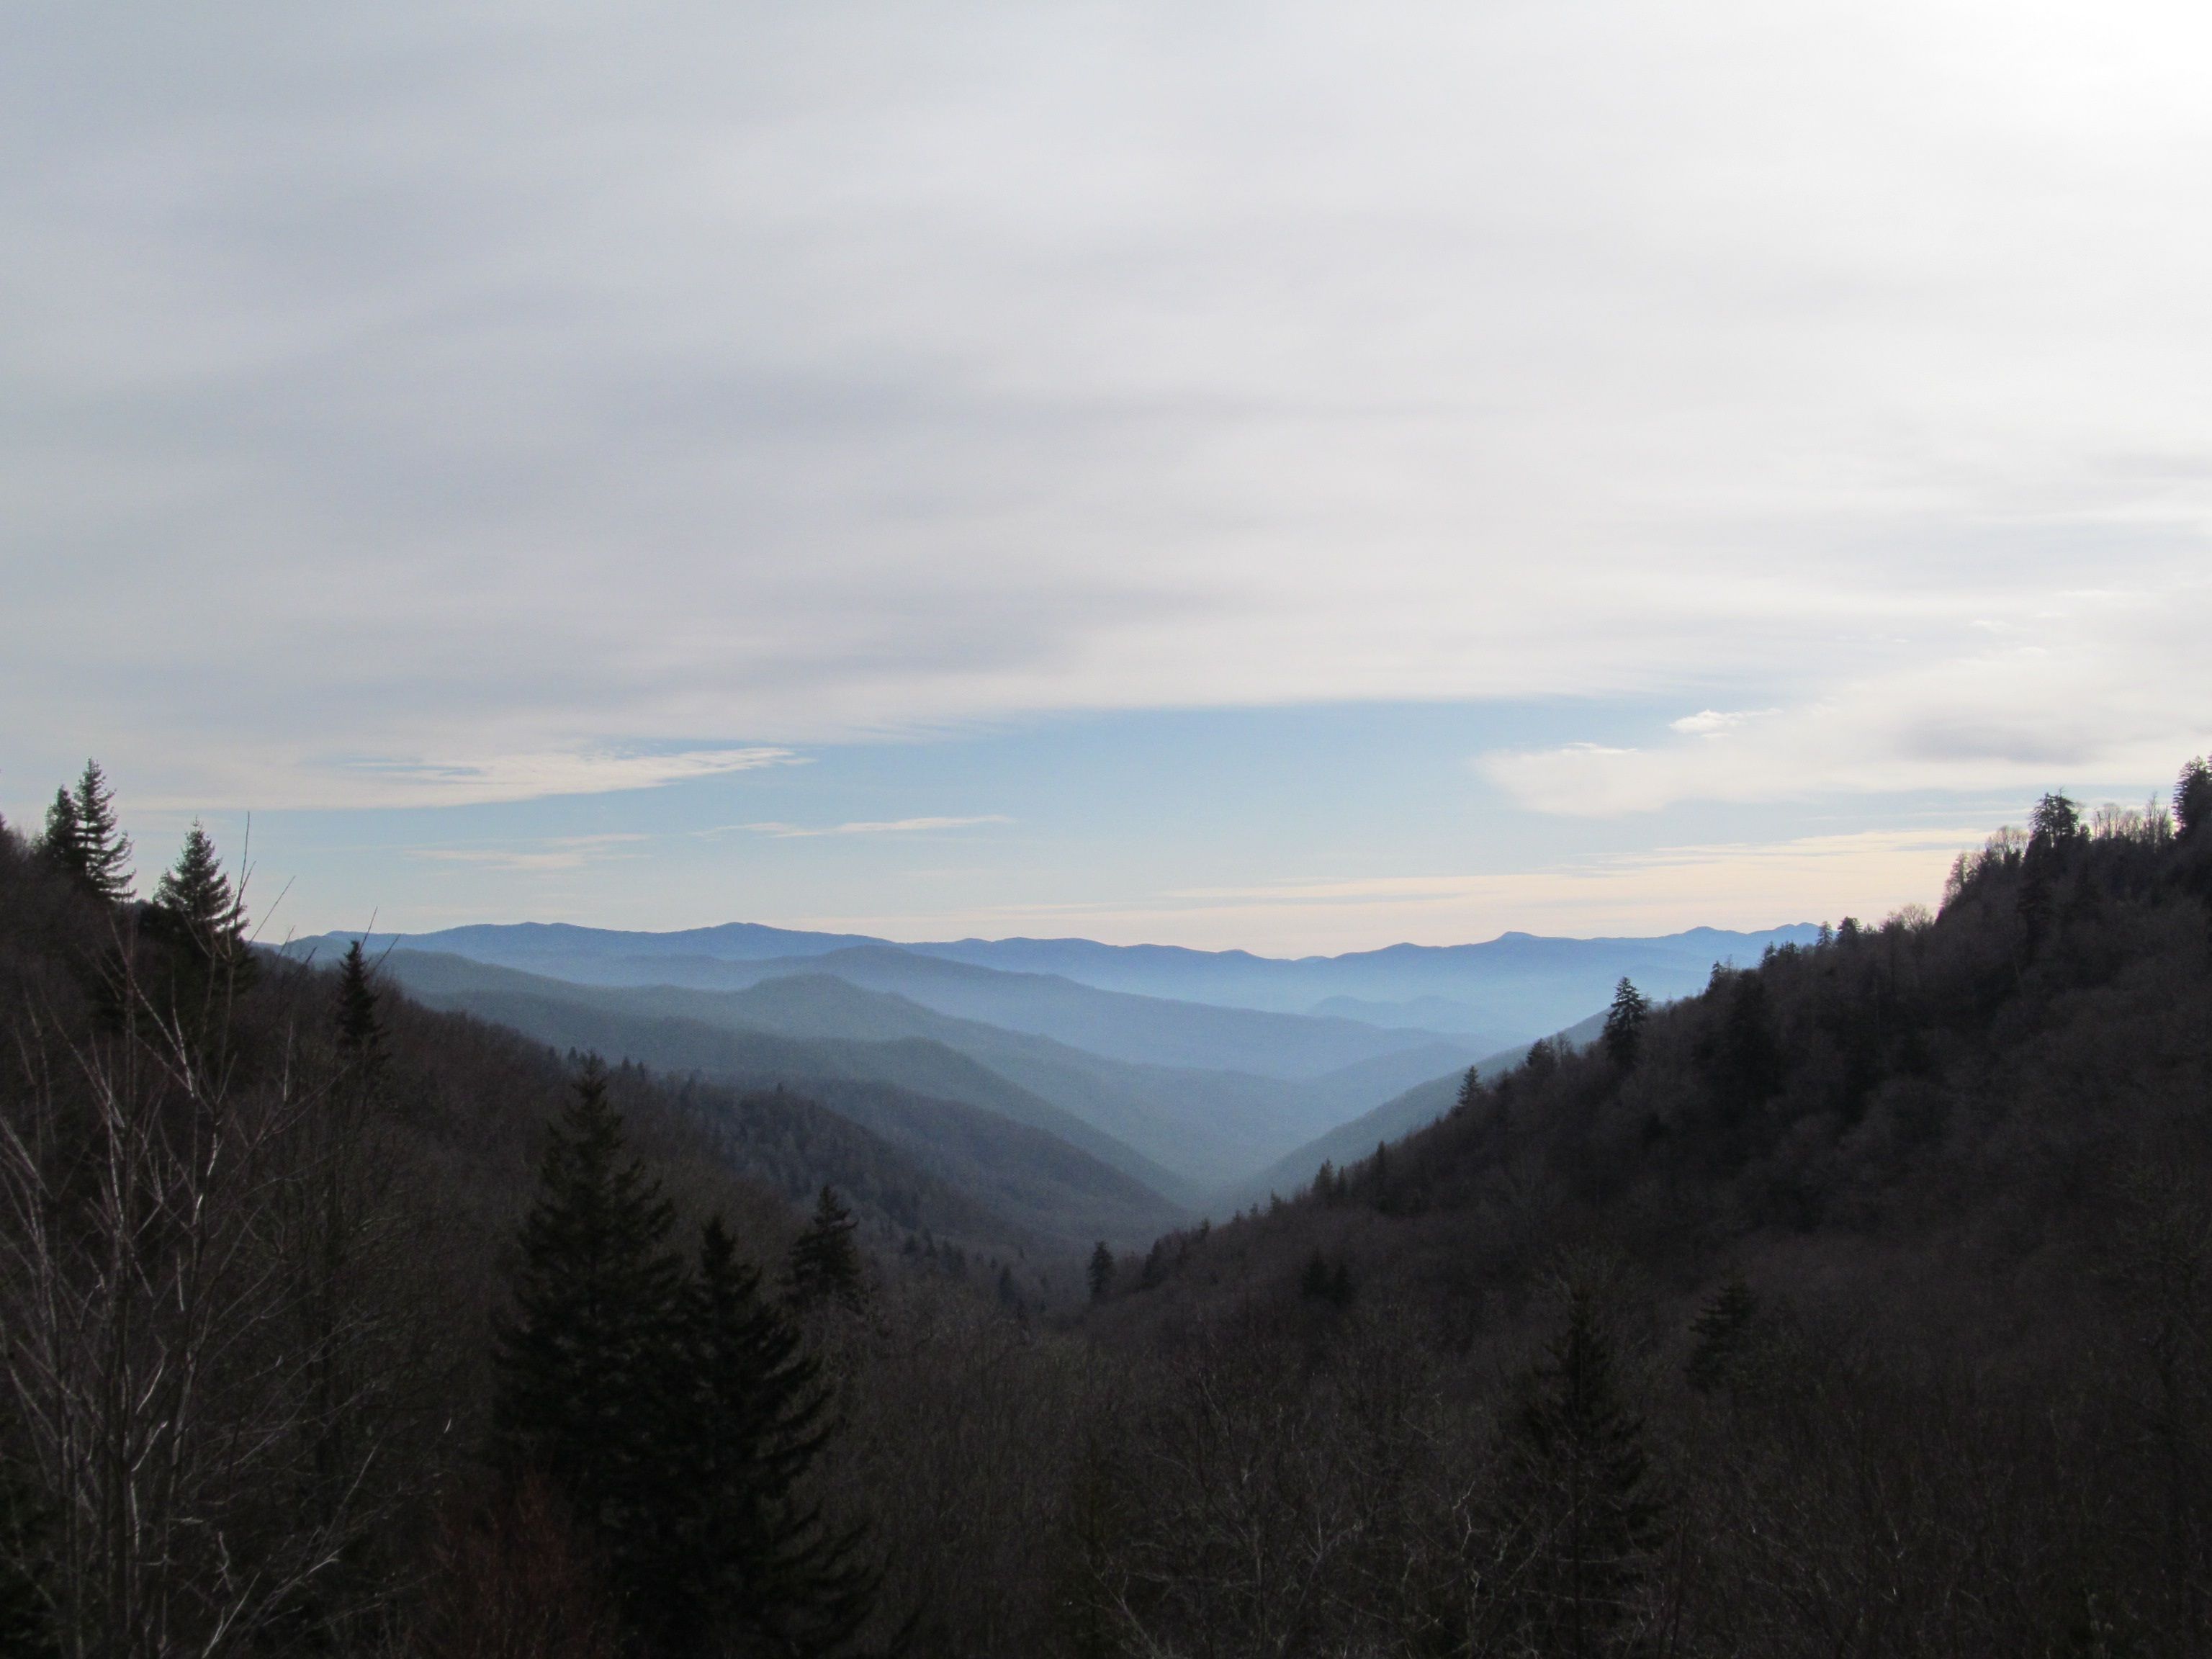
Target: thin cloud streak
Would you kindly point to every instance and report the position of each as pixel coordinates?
(892, 827)
(1746, 886)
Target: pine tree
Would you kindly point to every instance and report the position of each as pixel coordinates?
(1624, 1023)
(825, 1264)
(739, 1559)
(103, 850)
(63, 844)
(2192, 797)
(197, 903)
(360, 1031)
(1101, 1272)
(1470, 1089)
(1577, 1514)
(585, 1355)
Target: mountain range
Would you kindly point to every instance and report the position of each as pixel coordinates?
(1137, 1086)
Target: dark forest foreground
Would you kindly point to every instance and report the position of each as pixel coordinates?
(1860, 1305)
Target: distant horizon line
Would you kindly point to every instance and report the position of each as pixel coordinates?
(368, 935)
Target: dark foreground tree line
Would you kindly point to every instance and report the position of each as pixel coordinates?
(1859, 1305)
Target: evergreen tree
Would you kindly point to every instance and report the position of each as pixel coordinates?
(197, 903)
(1542, 1060)
(1470, 1088)
(825, 1263)
(585, 1356)
(1578, 1515)
(739, 1559)
(2192, 797)
(103, 856)
(1101, 1272)
(1624, 1023)
(360, 1029)
(63, 843)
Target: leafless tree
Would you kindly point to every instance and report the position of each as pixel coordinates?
(189, 1380)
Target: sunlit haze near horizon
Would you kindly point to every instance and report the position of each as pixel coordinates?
(1289, 477)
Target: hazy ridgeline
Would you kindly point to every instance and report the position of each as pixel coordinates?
(1857, 1305)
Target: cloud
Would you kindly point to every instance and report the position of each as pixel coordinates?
(895, 826)
(435, 380)
(556, 853)
(1706, 722)
(533, 776)
(1748, 886)
(2072, 703)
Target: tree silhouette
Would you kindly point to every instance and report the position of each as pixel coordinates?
(1101, 1272)
(360, 1029)
(103, 855)
(1577, 1512)
(1624, 1023)
(196, 900)
(824, 1264)
(62, 842)
(585, 1356)
(738, 1555)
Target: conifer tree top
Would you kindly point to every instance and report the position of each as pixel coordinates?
(103, 850)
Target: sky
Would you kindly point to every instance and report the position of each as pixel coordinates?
(1284, 476)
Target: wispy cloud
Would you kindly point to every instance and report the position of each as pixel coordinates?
(2063, 702)
(1725, 885)
(887, 827)
(556, 853)
(540, 774)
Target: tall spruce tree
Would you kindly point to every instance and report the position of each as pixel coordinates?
(742, 1561)
(824, 1265)
(360, 1027)
(103, 856)
(1624, 1023)
(1576, 1515)
(199, 906)
(62, 843)
(2192, 797)
(1101, 1272)
(583, 1363)
(1470, 1088)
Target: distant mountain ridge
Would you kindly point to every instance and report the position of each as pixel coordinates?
(1510, 989)
(1181, 1132)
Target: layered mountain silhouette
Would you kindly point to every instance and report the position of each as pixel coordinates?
(1082, 1089)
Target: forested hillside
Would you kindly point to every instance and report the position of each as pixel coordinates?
(1857, 1305)
(1860, 1304)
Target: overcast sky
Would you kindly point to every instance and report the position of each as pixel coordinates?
(1290, 475)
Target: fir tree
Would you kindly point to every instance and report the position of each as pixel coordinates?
(1577, 1516)
(585, 1355)
(1101, 1272)
(197, 903)
(739, 1559)
(63, 843)
(1624, 1023)
(2192, 797)
(103, 856)
(825, 1264)
(360, 1029)
(1470, 1089)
